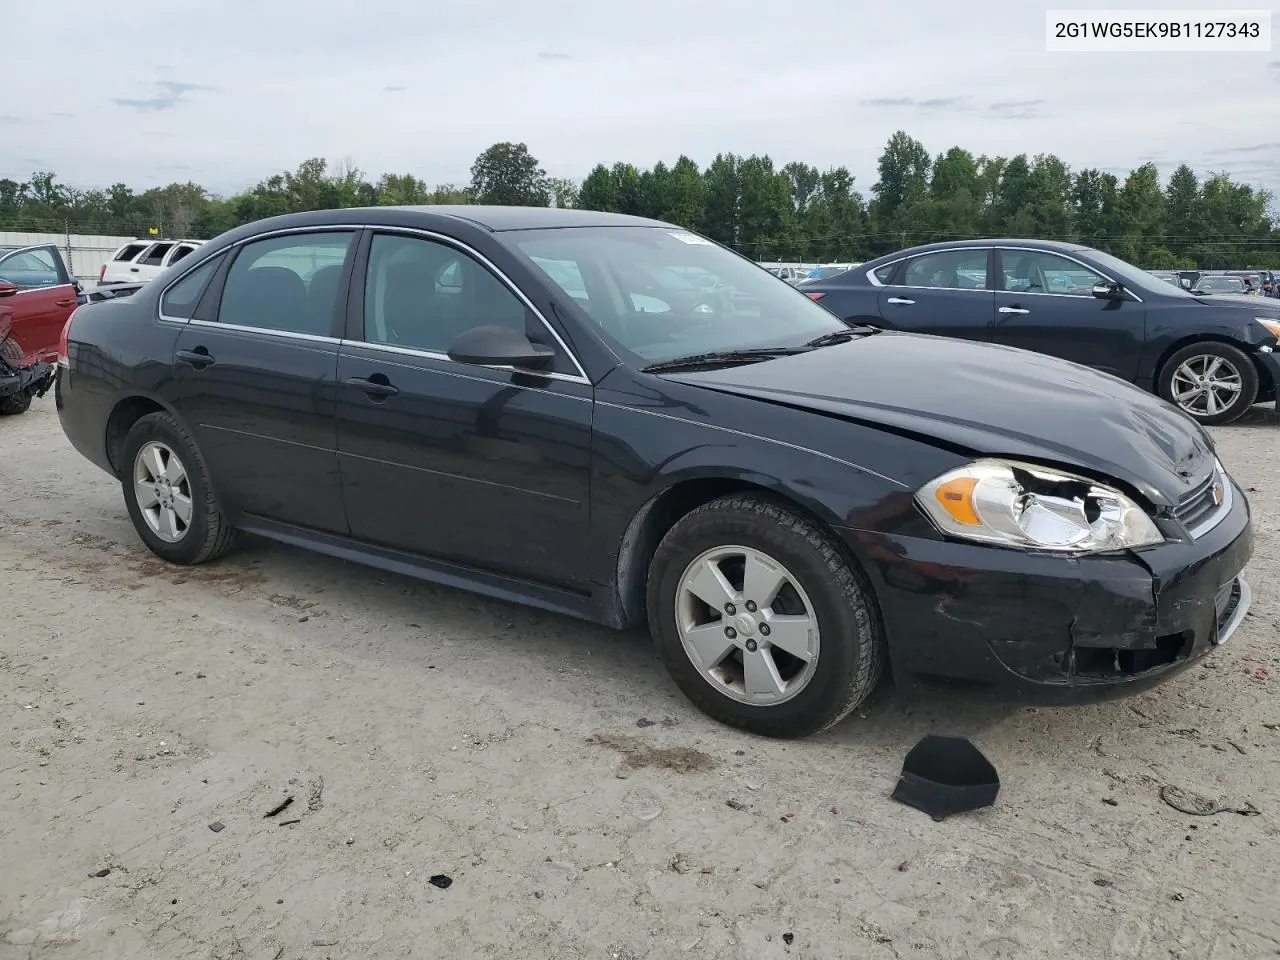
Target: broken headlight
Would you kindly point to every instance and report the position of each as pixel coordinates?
(1035, 508)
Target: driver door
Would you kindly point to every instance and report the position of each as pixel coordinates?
(482, 466)
(1045, 303)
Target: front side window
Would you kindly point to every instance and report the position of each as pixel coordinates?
(948, 269)
(31, 269)
(421, 294)
(287, 283)
(661, 293)
(1038, 271)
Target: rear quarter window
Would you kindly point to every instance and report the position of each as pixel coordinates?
(181, 299)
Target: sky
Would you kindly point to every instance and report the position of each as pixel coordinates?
(228, 93)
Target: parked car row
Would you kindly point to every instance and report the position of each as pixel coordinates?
(141, 260)
(566, 409)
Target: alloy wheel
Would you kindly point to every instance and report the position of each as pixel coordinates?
(163, 491)
(747, 625)
(1206, 385)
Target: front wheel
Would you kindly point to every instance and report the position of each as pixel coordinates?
(1211, 382)
(761, 620)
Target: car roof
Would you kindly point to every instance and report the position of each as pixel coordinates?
(1054, 245)
(493, 218)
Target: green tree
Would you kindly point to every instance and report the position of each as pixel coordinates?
(507, 174)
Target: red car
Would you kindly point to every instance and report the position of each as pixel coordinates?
(37, 296)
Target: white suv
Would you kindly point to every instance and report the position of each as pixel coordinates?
(141, 260)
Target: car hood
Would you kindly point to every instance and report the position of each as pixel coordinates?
(991, 401)
(1263, 306)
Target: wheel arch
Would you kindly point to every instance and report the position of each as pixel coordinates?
(1266, 386)
(657, 515)
(127, 411)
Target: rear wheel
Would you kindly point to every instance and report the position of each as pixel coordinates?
(1211, 382)
(168, 493)
(761, 620)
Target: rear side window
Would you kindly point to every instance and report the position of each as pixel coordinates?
(179, 301)
(155, 256)
(129, 251)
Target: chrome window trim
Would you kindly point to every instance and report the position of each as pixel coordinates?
(754, 436)
(871, 274)
(1078, 262)
(53, 286)
(503, 368)
(875, 282)
(382, 228)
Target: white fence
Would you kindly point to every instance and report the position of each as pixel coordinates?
(84, 254)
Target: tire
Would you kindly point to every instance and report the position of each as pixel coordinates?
(15, 404)
(206, 534)
(1197, 357)
(821, 581)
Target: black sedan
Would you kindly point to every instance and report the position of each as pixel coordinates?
(1213, 356)
(483, 398)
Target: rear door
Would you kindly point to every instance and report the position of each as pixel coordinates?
(254, 372)
(943, 292)
(45, 299)
(1045, 303)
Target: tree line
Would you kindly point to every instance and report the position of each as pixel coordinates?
(793, 212)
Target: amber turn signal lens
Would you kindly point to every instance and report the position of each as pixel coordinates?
(956, 497)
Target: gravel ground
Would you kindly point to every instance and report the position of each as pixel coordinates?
(550, 769)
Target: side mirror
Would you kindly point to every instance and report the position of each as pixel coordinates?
(1108, 291)
(499, 346)
(7, 289)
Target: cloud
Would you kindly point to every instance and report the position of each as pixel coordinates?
(174, 92)
(1017, 109)
(1251, 148)
(178, 89)
(552, 55)
(928, 103)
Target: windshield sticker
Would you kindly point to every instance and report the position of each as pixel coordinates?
(690, 237)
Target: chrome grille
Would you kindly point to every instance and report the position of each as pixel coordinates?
(1199, 505)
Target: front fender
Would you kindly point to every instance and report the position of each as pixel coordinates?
(656, 457)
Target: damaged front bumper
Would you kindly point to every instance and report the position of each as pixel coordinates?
(35, 379)
(1058, 629)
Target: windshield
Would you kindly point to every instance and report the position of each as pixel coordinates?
(663, 293)
(1132, 276)
(1220, 285)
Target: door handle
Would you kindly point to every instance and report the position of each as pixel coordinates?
(1018, 310)
(198, 358)
(375, 386)
(900, 300)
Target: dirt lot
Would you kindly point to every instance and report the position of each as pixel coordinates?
(422, 731)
